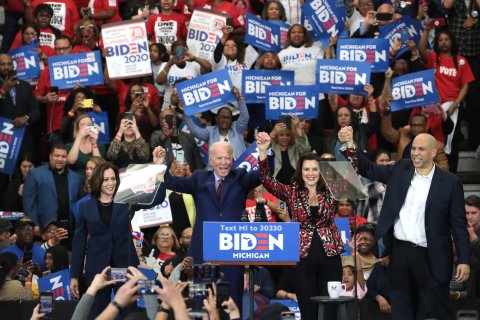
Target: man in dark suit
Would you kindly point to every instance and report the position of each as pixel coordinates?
(18, 104)
(422, 211)
(219, 195)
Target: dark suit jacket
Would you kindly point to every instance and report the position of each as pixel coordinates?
(445, 215)
(106, 244)
(25, 104)
(40, 194)
(201, 185)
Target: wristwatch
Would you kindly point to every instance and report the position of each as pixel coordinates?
(474, 14)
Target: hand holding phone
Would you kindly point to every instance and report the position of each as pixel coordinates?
(46, 303)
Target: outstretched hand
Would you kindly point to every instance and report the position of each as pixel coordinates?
(263, 141)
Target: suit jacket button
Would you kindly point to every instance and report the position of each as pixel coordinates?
(220, 214)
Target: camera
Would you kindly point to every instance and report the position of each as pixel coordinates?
(117, 274)
(147, 287)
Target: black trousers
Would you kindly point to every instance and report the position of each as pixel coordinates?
(412, 282)
(310, 278)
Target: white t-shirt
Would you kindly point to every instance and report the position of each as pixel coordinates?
(303, 61)
(292, 11)
(190, 71)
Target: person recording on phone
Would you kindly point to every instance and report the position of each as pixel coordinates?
(179, 145)
(18, 104)
(106, 225)
(132, 148)
(423, 210)
(85, 145)
(384, 15)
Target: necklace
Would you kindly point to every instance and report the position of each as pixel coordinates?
(105, 204)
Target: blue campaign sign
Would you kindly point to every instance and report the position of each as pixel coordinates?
(342, 77)
(254, 83)
(375, 51)
(84, 68)
(326, 18)
(262, 34)
(248, 159)
(100, 119)
(26, 62)
(253, 242)
(343, 225)
(414, 90)
(405, 29)
(283, 31)
(301, 101)
(10, 144)
(206, 92)
(58, 283)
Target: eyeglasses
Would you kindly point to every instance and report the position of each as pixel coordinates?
(90, 26)
(30, 33)
(62, 48)
(165, 235)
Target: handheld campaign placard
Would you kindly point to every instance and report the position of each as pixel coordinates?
(205, 31)
(253, 242)
(25, 62)
(127, 50)
(58, 283)
(254, 83)
(10, 145)
(262, 34)
(405, 29)
(342, 77)
(326, 18)
(301, 101)
(343, 225)
(206, 92)
(84, 68)
(155, 216)
(374, 51)
(100, 119)
(248, 159)
(414, 90)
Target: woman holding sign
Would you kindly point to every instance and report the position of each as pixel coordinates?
(313, 206)
(452, 77)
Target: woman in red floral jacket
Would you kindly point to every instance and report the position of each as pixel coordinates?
(313, 206)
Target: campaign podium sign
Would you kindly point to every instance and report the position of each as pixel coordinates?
(246, 242)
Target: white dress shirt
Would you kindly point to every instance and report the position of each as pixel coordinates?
(410, 225)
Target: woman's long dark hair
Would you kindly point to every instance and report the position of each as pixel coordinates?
(297, 176)
(34, 26)
(59, 257)
(162, 50)
(97, 178)
(128, 99)
(8, 261)
(71, 98)
(353, 119)
(454, 49)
